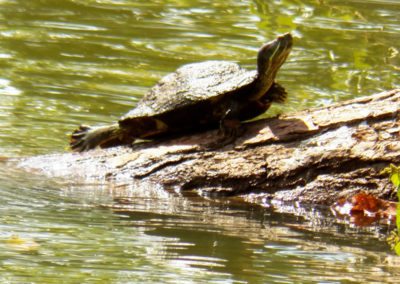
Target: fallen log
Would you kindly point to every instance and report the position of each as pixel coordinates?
(312, 156)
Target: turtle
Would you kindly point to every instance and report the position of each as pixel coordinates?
(202, 95)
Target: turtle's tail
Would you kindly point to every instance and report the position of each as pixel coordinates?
(85, 137)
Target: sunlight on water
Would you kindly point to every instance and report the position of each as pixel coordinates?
(51, 232)
(74, 62)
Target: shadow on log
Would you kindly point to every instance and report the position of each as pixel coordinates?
(312, 156)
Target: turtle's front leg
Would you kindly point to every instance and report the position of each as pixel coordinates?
(229, 129)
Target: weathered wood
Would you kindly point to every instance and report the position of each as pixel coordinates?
(312, 156)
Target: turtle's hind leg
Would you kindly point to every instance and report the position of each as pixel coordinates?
(85, 137)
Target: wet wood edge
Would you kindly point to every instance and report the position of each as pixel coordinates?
(313, 156)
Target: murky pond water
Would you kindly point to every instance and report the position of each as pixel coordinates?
(63, 63)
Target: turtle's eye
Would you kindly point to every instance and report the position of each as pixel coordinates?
(272, 55)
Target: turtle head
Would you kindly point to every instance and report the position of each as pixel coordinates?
(272, 55)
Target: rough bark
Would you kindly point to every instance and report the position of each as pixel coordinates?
(311, 156)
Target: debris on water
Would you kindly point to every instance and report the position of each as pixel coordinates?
(364, 209)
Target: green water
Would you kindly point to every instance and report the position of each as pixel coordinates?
(63, 63)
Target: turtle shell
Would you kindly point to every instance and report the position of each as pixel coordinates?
(190, 85)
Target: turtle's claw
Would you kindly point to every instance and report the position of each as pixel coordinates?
(78, 141)
(86, 138)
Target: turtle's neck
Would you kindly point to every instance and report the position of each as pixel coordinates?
(263, 83)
